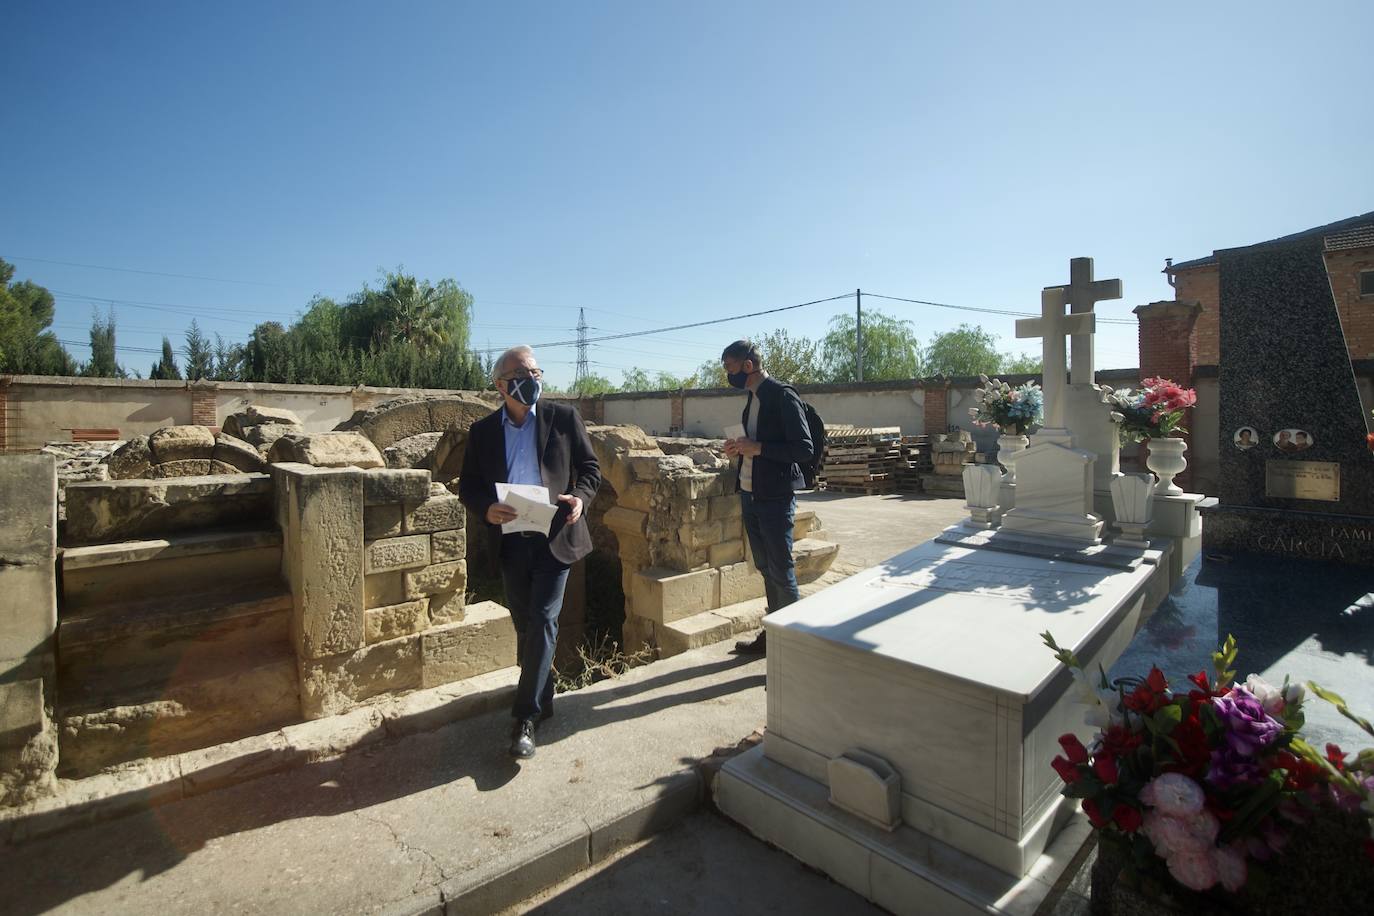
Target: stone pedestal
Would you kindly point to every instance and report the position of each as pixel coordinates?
(28, 622)
(1054, 495)
(1177, 517)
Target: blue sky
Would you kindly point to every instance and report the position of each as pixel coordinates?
(660, 163)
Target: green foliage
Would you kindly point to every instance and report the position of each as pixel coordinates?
(967, 350)
(103, 363)
(26, 345)
(1022, 364)
(636, 379)
(200, 358)
(891, 348)
(792, 359)
(710, 374)
(165, 368)
(593, 385)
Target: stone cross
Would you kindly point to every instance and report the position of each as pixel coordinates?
(1051, 327)
(1082, 293)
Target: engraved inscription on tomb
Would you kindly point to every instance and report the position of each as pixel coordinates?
(1015, 583)
(1303, 480)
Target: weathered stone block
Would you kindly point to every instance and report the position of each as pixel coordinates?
(439, 513)
(186, 467)
(813, 557)
(236, 453)
(132, 459)
(21, 712)
(703, 534)
(740, 582)
(236, 424)
(382, 521)
(725, 553)
(692, 487)
(384, 588)
(626, 521)
(484, 641)
(447, 607)
(28, 550)
(639, 496)
(384, 485)
(109, 510)
(692, 633)
(441, 577)
(335, 683)
(180, 443)
(327, 450)
(731, 529)
(391, 554)
(322, 550)
(723, 507)
(664, 595)
(446, 546)
(395, 620)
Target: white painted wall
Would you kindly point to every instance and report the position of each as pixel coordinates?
(653, 415)
(707, 417)
(320, 411)
(47, 412)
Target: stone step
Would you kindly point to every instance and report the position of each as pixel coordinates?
(205, 702)
(96, 576)
(804, 524)
(813, 557)
(710, 627)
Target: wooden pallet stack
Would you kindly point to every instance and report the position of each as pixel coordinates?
(861, 459)
(915, 461)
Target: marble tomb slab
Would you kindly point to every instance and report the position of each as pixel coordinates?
(933, 662)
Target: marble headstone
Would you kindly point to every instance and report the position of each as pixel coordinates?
(1284, 368)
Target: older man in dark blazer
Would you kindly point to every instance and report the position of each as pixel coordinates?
(527, 441)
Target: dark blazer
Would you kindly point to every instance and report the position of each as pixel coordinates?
(785, 437)
(566, 463)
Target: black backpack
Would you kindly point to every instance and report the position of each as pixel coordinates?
(812, 469)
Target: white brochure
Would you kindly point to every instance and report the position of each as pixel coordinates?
(532, 507)
(734, 431)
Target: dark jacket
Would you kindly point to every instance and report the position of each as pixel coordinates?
(566, 463)
(785, 437)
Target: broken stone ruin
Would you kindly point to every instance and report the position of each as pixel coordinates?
(208, 595)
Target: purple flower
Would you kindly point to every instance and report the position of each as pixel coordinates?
(1248, 727)
(1229, 768)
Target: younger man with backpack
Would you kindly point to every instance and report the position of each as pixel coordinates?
(776, 445)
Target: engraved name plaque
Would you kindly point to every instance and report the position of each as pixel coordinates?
(1303, 480)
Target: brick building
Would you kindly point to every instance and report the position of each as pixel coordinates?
(1349, 245)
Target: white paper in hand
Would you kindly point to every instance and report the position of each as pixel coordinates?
(735, 431)
(533, 512)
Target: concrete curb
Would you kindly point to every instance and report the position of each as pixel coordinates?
(559, 854)
(146, 783)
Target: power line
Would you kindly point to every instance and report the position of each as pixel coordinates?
(676, 327)
(150, 273)
(970, 308)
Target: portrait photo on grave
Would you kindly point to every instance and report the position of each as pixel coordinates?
(1245, 438)
(1293, 440)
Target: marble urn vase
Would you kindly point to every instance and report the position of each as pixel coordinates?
(1167, 461)
(1008, 446)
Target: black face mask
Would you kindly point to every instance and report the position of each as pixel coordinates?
(525, 390)
(737, 379)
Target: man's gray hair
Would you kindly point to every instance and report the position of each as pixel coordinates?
(499, 367)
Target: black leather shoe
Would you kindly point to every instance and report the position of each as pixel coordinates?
(522, 744)
(757, 646)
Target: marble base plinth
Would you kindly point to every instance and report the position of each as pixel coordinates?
(933, 662)
(1178, 517)
(1290, 533)
(904, 871)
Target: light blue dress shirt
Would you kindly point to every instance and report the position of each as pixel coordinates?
(522, 449)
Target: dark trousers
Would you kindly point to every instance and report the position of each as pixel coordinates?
(534, 582)
(768, 522)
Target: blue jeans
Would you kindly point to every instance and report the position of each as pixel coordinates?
(534, 582)
(768, 522)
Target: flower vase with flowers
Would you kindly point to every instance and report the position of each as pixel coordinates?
(1208, 800)
(1012, 411)
(1155, 413)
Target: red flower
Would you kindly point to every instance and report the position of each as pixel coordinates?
(1105, 768)
(1204, 685)
(1066, 770)
(1125, 817)
(1369, 441)
(1073, 748)
(1333, 754)
(1194, 753)
(1120, 741)
(1150, 695)
(1094, 812)
(1302, 774)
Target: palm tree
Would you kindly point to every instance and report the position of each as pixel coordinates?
(410, 311)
